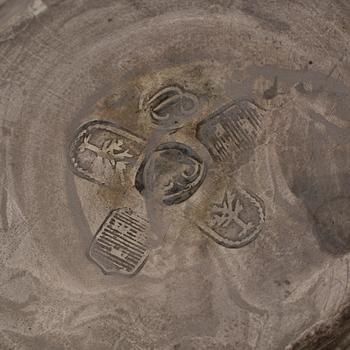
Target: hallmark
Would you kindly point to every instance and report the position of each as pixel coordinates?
(231, 130)
(171, 106)
(103, 153)
(236, 220)
(120, 243)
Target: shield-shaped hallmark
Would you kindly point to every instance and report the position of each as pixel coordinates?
(120, 243)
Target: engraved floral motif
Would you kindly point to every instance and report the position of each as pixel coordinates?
(236, 220)
(103, 153)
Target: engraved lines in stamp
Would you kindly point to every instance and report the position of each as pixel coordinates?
(231, 130)
(120, 243)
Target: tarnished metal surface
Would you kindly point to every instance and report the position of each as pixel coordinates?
(174, 174)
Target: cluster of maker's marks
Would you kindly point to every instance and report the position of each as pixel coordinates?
(232, 132)
(230, 135)
(105, 154)
(233, 218)
(171, 107)
(172, 173)
(120, 243)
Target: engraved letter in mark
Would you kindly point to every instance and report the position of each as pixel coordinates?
(172, 173)
(170, 107)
